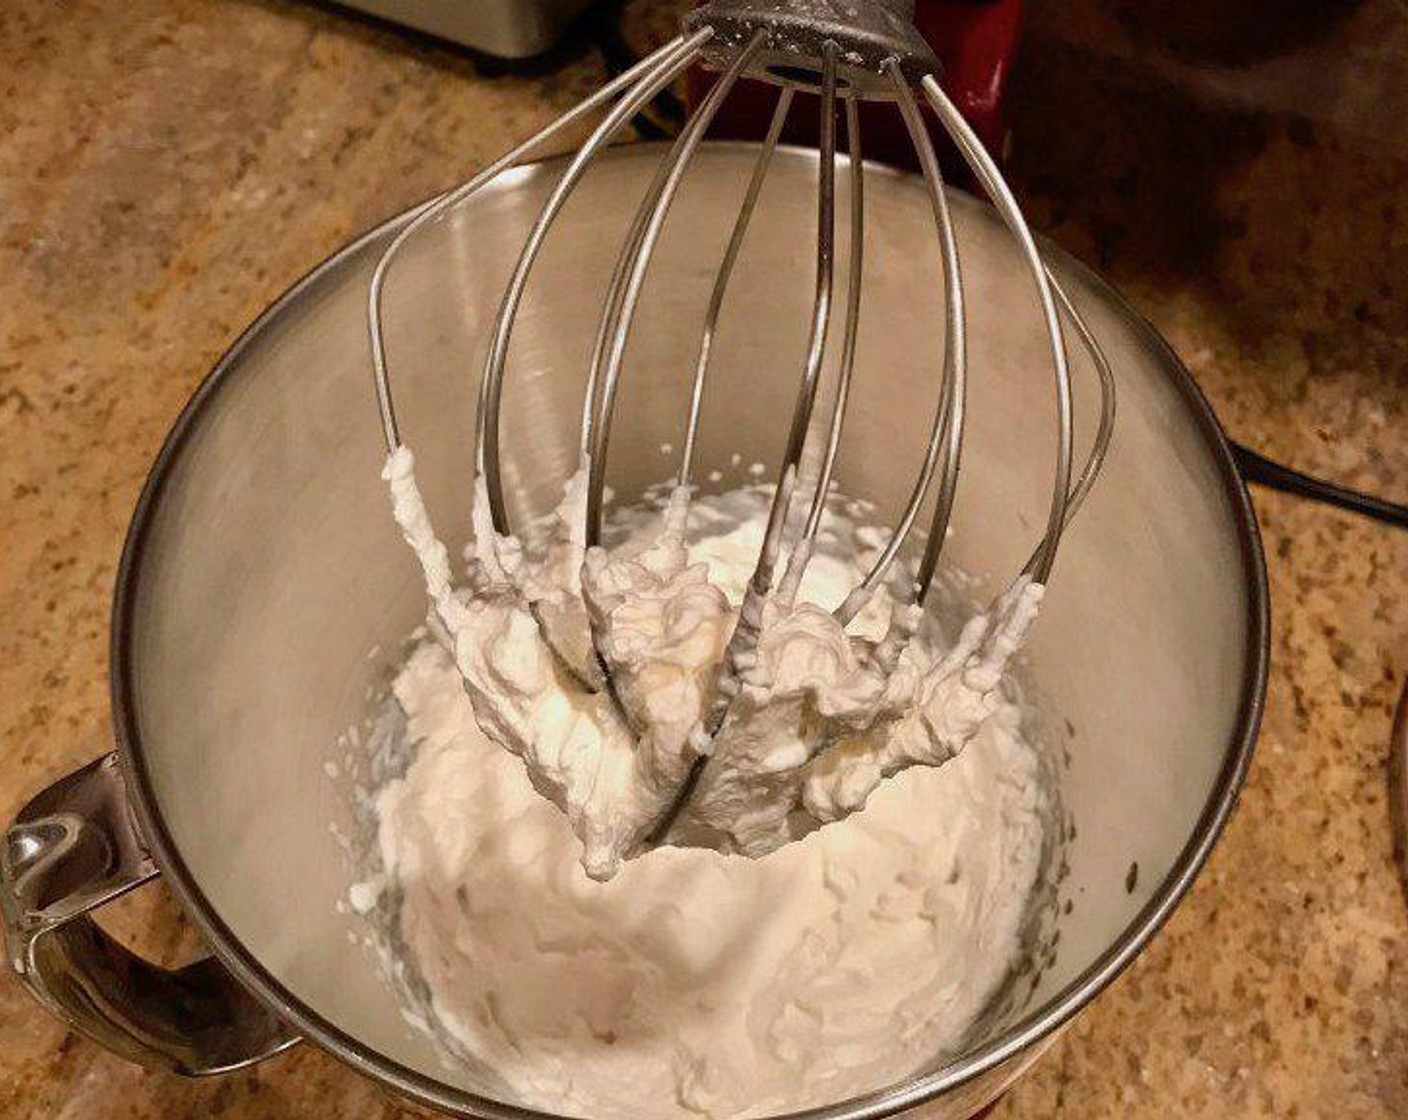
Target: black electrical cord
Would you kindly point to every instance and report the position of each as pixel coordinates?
(1261, 471)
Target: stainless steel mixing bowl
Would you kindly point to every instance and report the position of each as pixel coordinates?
(263, 565)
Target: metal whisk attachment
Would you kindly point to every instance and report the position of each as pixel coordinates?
(846, 52)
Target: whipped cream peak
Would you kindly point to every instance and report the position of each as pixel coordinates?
(804, 685)
(551, 583)
(951, 698)
(661, 627)
(487, 563)
(411, 515)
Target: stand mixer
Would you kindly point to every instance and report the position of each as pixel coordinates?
(262, 581)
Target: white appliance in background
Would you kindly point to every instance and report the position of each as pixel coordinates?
(507, 28)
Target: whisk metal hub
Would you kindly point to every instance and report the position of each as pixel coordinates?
(868, 35)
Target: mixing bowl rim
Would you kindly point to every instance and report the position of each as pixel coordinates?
(1020, 1037)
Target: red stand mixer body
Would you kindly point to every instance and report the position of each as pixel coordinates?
(974, 39)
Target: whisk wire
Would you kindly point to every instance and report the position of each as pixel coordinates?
(640, 263)
(946, 433)
(746, 628)
(982, 165)
(760, 583)
(1105, 427)
(615, 296)
(439, 206)
(802, 550)
(725, 274)
(487, 431)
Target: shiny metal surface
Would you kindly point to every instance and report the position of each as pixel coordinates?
(986, 170)
(868, 49)
(665, 65)
(946, 437)
(263, 568)
(69, 851)
(725, 273)
(436, 208)
(866, 34)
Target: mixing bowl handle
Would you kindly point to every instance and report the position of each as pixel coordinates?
(73, 848)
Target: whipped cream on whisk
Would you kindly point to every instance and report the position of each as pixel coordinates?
(817, 717)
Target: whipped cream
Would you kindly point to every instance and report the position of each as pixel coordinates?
(610, 673)
(695, 983)
(662, 628)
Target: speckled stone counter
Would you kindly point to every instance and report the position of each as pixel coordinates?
(167, 167)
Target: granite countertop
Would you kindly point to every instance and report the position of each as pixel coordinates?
(167, 167)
